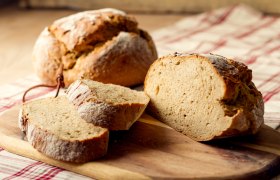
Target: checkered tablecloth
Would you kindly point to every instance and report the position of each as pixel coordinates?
(239, 32)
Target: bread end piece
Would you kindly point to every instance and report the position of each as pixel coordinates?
(204, 96)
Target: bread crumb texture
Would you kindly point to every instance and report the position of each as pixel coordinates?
(54, 128)
(204, 96)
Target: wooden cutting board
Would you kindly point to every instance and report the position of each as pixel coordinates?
(151, 149)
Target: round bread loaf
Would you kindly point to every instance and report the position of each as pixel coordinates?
(103, 45)
(204, 96)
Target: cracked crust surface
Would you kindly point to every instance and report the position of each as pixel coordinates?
(107, 105)
(204, 96)
(53, 127)
(103, 45)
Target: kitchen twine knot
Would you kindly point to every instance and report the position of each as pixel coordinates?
(60, 84)
(59, 80)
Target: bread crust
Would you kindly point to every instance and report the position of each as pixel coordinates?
(76, 151)
(65, 150)
(241, 100)
(104, 45)
(107, 114)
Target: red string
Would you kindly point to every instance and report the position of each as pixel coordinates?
(59, 80)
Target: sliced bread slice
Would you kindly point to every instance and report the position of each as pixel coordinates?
(111, 106)
(53, 127)
(204, 96)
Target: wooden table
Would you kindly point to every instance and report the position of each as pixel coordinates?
(19, 29)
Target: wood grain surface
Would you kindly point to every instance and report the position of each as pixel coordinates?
(151, 149)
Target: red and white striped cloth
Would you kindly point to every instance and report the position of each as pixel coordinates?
(238, 32)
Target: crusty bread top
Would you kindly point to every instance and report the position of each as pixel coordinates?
(78, 30)
(123, 60)
(95, 45)
(59, 117)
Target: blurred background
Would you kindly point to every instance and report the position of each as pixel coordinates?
(21, 21)
(152, 6)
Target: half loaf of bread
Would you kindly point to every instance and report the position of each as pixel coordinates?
(53, 127)
(97, 45)
(204, 96)
(111, 106)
